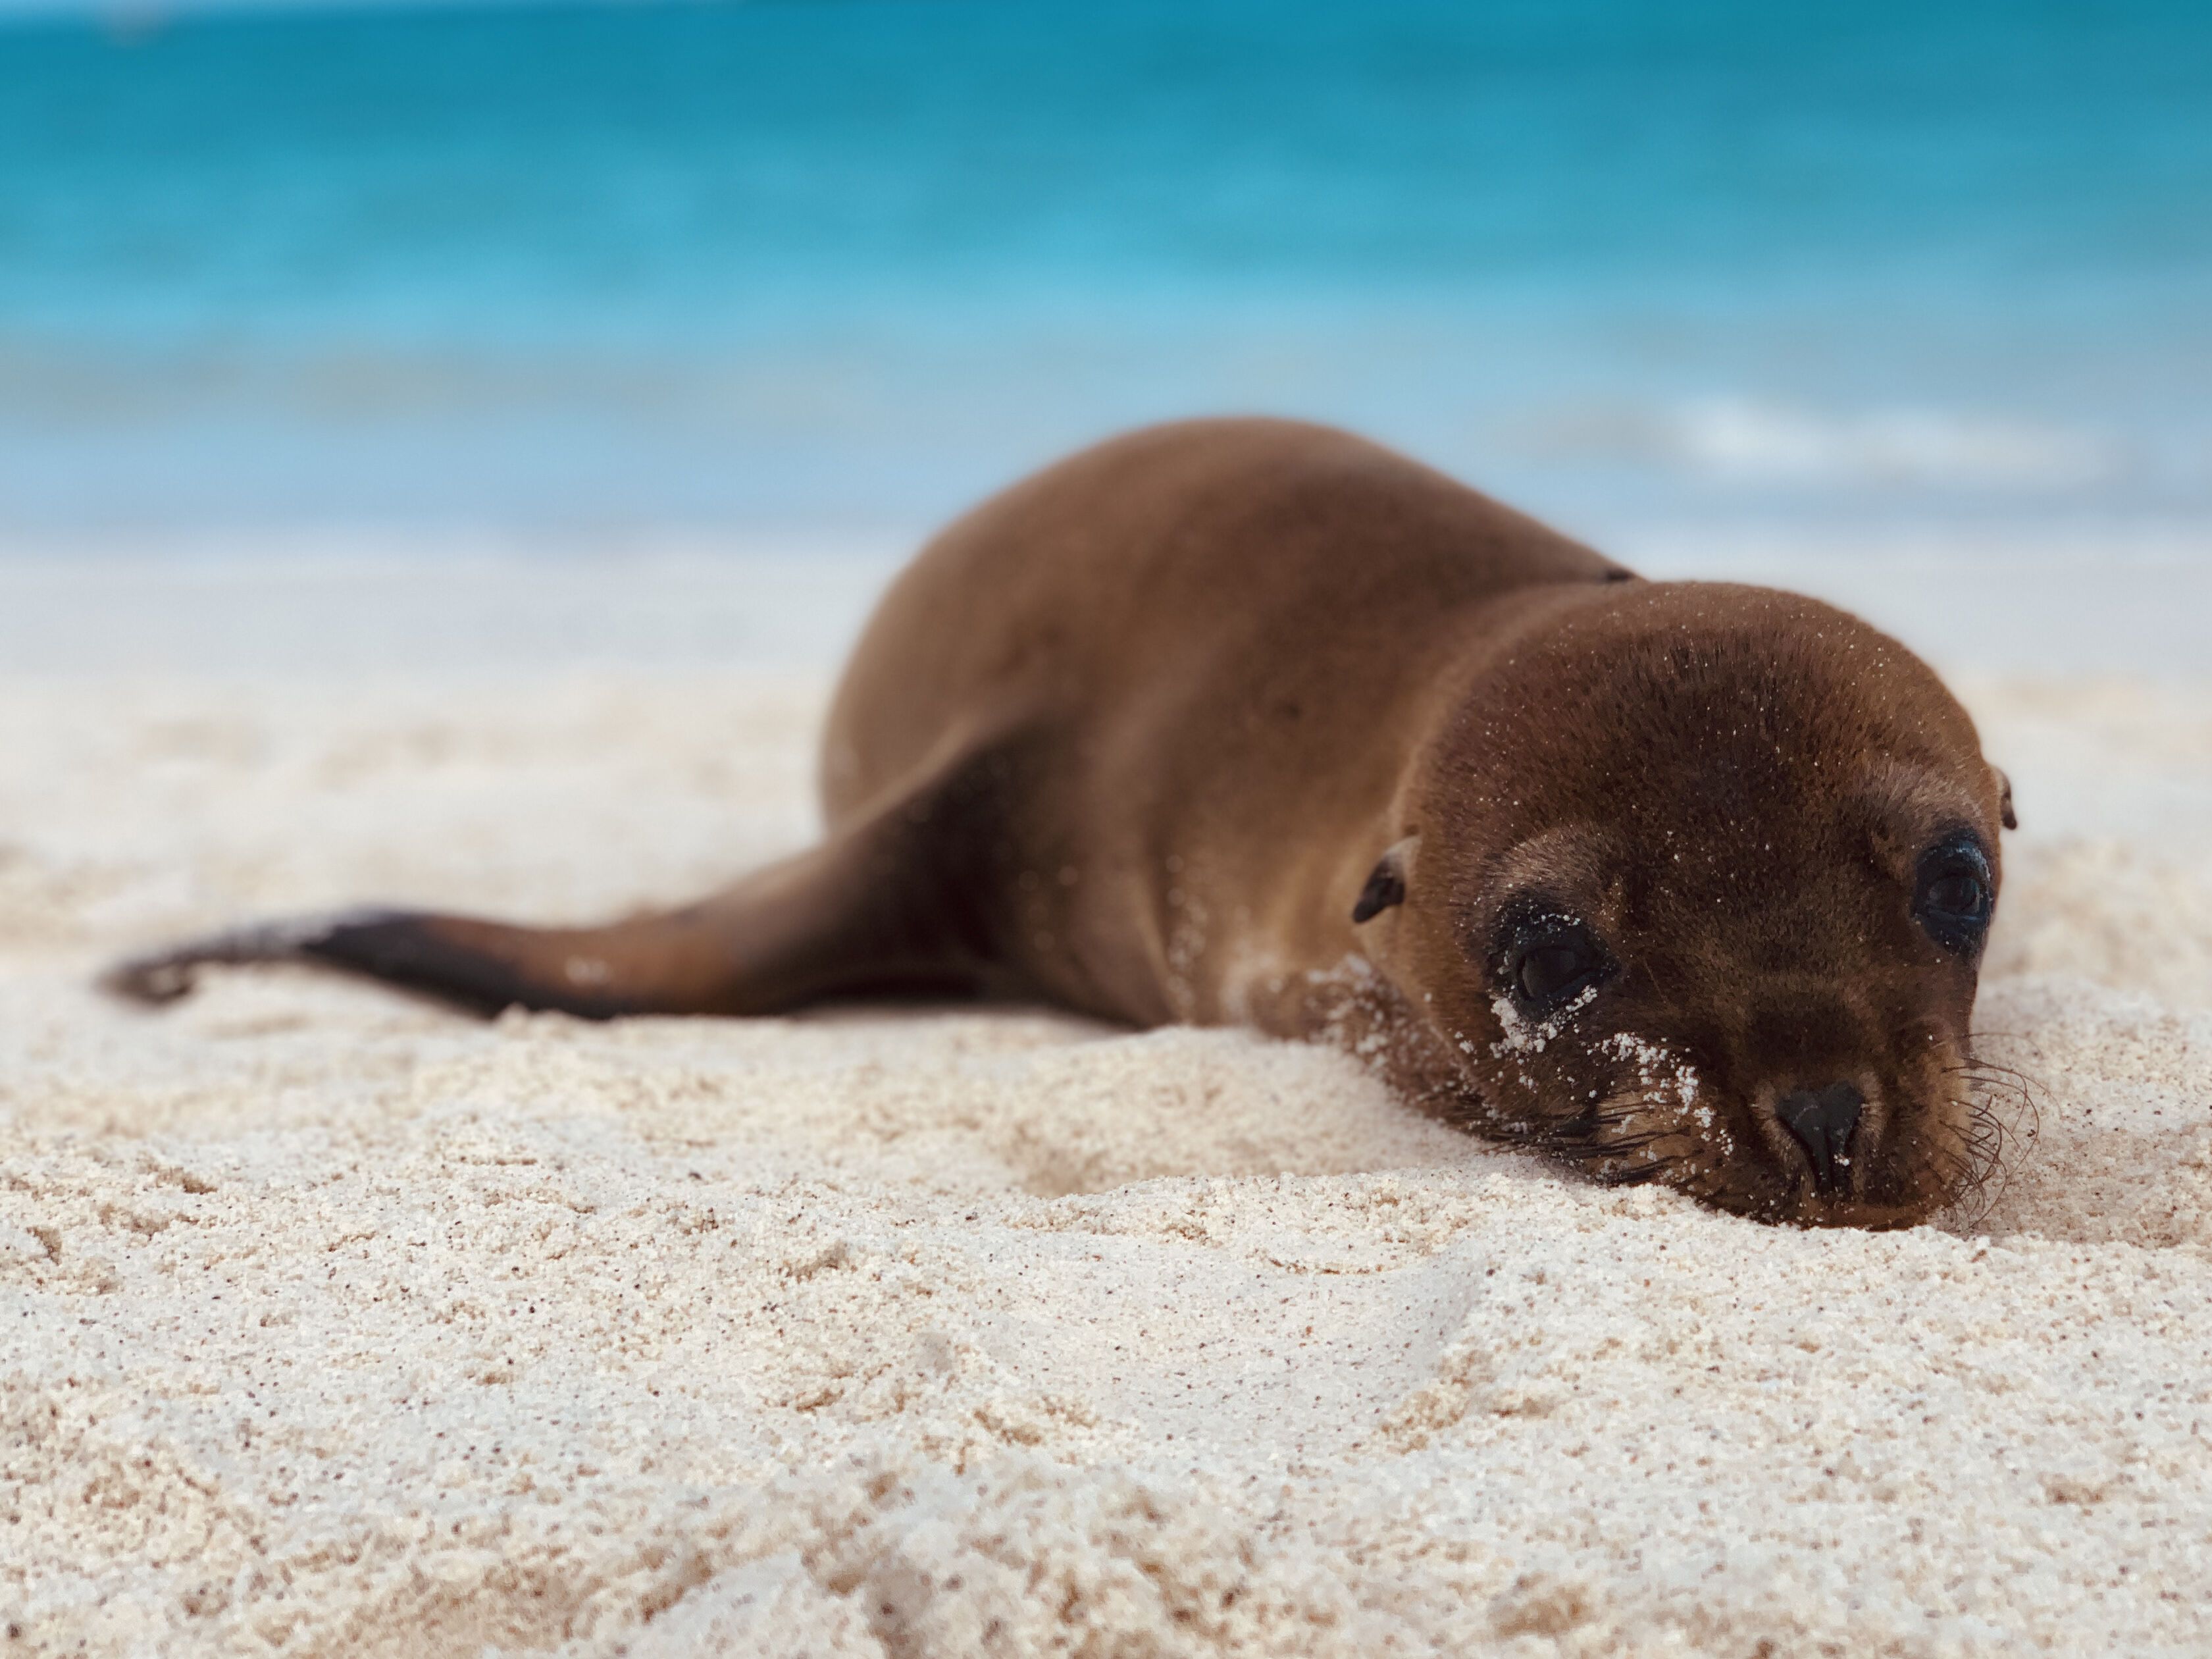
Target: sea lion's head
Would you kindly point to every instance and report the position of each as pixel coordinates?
(1696, 892)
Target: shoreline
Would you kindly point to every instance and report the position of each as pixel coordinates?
(2127, 604)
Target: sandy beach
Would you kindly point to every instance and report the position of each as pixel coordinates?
(333, 1323)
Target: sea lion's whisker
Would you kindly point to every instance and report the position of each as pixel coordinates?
(1992, 1138)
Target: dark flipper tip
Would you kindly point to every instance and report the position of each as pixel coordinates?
(149, 981)
(164, 976)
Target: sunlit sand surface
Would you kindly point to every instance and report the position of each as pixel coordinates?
(333, 1323)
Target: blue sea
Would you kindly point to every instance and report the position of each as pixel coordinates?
(849, 262)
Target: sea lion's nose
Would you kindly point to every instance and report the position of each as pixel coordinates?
(1822, 1120)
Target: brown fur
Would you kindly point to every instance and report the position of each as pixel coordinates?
(1136, 736)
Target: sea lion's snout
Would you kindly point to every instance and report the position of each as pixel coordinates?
(1823, 1122)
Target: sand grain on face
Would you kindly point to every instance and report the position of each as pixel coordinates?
(333, 1323)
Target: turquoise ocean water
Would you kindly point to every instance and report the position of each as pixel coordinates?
(849, 263)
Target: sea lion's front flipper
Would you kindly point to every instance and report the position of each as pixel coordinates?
(882, 905)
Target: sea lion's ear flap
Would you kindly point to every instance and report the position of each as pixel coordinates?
(2005, 814)
(1386, 883)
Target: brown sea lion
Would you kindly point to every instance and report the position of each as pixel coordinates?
(1250, 721)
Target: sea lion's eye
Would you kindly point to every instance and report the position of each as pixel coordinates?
(1960, 893)
(1954, 894)
(1548, 971)
(1549, 961)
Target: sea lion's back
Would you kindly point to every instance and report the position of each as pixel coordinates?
(1156, 561)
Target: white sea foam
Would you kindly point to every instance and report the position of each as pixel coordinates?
(1745, 438)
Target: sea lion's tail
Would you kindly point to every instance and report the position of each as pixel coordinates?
(831, 921)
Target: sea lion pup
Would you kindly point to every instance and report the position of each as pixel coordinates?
(1252, 721)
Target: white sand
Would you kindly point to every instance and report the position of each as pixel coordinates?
(330, 1323)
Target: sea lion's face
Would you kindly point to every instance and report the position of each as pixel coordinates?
(1702, 902)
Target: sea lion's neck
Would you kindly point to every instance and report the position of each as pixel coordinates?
(1294, 959)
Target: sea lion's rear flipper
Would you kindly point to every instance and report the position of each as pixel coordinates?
(884, 906)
